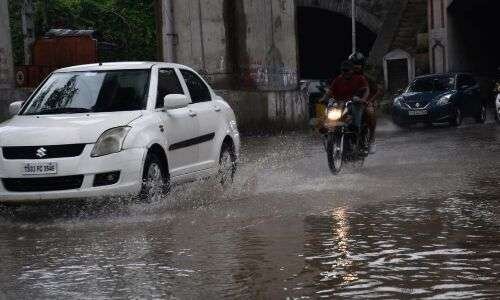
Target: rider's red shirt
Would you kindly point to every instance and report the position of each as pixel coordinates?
(344, 89)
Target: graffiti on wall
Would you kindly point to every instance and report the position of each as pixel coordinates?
(264, 77)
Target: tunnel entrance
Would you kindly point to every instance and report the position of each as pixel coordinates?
(473, 42)
(325, 41)
(473, 30)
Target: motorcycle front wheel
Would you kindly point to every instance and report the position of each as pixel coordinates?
(335, 151)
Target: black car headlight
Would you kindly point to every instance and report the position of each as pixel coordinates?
(445, 100)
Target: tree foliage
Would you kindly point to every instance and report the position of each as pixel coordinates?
(130, 24)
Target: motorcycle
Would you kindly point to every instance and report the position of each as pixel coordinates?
(346, 135)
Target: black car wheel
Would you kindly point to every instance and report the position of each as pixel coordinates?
(457, 117)
(481, 117)
(155, 179)
(398, 122)
(227, 165)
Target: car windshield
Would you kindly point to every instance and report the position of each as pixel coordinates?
(432, 84)
(94, 91)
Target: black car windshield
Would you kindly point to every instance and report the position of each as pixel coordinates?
(432, 84)
(93, 91)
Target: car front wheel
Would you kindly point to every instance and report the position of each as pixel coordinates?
(155, 180)
(457, 117)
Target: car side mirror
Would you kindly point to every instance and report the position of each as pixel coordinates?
(15, 108)
(175, 101)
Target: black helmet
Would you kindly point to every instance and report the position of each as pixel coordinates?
(346, 65)
(357, 58)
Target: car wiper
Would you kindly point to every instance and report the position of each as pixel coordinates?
(62, 110)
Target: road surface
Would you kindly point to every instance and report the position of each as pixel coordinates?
(421, 219)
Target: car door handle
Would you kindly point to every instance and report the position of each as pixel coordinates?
(192, 113)
(217, 108)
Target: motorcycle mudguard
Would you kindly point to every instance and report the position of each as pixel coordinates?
(333, 125)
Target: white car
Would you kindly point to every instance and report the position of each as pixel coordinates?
(116, 129)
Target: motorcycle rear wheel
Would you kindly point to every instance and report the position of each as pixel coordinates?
(335, 151)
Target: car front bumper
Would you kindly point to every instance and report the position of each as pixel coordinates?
(128, 162)
(435, 114)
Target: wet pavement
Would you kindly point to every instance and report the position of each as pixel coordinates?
(421, 219)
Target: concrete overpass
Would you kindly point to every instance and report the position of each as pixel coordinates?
(255, 52)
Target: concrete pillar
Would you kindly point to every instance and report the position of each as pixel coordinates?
(267, 44)
(438, 35)
(28, 14)
(247, 49)
(166, 32)
(6, 60)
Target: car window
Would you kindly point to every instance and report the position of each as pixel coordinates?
(168, 83)
(197, 88)
(470, 81)
(466, 81)
(432, 84)
(91, 91)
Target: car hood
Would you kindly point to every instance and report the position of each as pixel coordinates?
(61, 129)
(422, 98)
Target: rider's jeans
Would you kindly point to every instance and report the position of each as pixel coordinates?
(357, 114)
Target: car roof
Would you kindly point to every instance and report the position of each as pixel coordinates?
(131, 65)
(442, 75)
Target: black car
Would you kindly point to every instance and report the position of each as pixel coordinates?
(440, 98)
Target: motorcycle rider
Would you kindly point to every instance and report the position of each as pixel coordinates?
(348, 85)
(375, 93)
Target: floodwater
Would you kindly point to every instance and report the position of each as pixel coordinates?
(421, 219)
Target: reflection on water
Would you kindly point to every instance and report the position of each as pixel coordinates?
(428, 248)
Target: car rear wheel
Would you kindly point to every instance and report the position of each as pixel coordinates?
(481, 117)
(227, 165)
(457, 117)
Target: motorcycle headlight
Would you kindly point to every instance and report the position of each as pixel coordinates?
(444, 100)
(334, 114)
(111, 141)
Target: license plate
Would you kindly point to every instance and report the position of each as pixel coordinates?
(418, 112)
(40, 168)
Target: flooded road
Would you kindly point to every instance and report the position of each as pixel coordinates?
(421, 219)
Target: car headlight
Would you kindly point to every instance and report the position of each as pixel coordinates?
(444, 100)
(111, 141)
(397, 101)
(334, 114)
